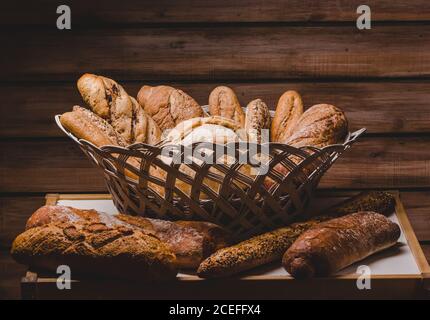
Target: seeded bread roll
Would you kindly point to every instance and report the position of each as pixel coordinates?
(335, 244)
(378, 201)
(86, 125)
(257, 119)
(224, 103)
(95, 249)
(287, 114)
(168, 106)
(110, 101)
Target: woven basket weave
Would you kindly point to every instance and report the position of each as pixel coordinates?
(242, 204)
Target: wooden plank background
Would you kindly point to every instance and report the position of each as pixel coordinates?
(260, 48)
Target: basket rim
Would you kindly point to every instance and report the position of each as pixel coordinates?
(350, 138)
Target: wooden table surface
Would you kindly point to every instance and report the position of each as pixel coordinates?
(380, 77)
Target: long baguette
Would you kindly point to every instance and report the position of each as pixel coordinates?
(270, 246)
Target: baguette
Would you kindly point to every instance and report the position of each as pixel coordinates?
(95, 249)
(191, 242)
(270, 246)
(335, 244)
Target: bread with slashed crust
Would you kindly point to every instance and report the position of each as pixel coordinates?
(223, 102)
(93, 248)
(168, 106)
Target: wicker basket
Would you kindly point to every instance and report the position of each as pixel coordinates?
(242, 204)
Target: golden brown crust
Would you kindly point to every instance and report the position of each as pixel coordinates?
(335, 244)
(108, 100)
(190, 241)
(168, 106)
(95, 248)
(256, 251)
(224, 103)
(319, 126)
(86, 125)
(145, 129)
(257, 119)
(287, 114)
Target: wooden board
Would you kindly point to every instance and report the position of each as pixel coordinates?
(379, 162)
(217, 53)
(192, 11)
(381, 107)
(255, 285)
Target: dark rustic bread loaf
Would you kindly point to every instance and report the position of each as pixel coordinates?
(96, 249)
(335, 244)
(190, 242)
(270, 246)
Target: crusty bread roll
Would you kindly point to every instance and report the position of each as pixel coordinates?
(86, 125)
(95, 248)
(287, 113)
(257, 119)
(224, 103)
(335, 244)
(110, 101)
(319, 126)
(168, 106)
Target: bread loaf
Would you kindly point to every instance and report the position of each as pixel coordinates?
(190, 242)
(110, 101)
(270, 246)
(251, 253)
(86, 125)
(257, 119)
(335, 244)
(95, 249)
(287, 114)
(224, 103)
(168, 106)
(319, 126)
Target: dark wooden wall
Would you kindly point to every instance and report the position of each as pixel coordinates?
(380, 77)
